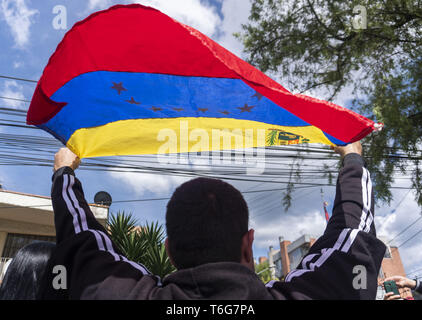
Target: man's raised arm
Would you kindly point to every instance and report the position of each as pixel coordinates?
(344, 262)
(95, 268)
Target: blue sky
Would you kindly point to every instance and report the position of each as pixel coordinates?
(28, 38)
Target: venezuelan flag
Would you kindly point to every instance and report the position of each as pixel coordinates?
(122, 75)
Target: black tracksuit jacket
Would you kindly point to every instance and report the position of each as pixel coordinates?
(342, 264)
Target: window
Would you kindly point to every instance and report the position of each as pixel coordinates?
(278, 268)
(15, 241)
(297, 255)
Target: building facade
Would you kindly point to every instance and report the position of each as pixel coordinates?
(262, 260)
(289, 255)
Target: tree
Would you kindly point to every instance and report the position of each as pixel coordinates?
(263, 271)
(141, 244)
(373, 48)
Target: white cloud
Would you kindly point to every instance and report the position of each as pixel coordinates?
(391, 220)
(11, 89)
(199, 15)
(411, 256)
(98, 4)
(18, 64)
(235, 13)
(400, 225)
(191, 12)
(290, 227)
(141, 183)
(19, 18)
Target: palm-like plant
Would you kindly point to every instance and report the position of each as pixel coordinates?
(141, 244)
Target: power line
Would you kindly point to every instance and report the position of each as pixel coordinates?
(140, 200)
(13, 110)
(18, 79)
(308, 149)
(15, 99)
(275, 159)
(420, 231)
(400, 202)
(19, 126)
(405, 229)
(414, 271)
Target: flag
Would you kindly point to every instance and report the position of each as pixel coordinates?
(129, 79)
(327, 216)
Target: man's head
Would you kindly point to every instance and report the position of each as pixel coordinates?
(207, 221)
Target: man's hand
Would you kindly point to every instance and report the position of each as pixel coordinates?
(66, 158)
(354, 147)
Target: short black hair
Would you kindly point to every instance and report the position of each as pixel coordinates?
(205, 221)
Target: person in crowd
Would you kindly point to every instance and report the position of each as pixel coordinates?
(404, 284)
(25, 274)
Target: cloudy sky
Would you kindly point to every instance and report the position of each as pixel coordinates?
(28, 38)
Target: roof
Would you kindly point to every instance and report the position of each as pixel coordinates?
(47, 198)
